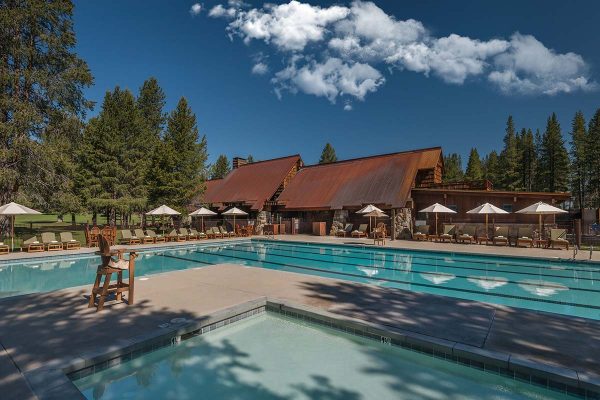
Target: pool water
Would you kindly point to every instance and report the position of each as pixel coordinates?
(570, 288)
(271, 357)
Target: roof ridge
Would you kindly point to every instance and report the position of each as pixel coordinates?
(271, 159)
(374, 156)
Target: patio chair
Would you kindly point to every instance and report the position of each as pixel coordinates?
(501, 236)
(467, 234)
(524, 237)
(379, 234)
(361, 231)
(558, 238)
(225, 232)
(32, 245)
(199, 235)
(422, 233)
(175, 236)
(346, 231)
(127, 237)
(215, 233)
(68, 242)
(50, 242)
(144, 238)
(157, 238)
(110, 266)
(4, 249)
(448, 233)
(240, 231)
(183, 232)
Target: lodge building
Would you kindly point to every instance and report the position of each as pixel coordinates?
(283, 190)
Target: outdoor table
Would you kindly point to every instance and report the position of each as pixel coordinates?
(540, 242)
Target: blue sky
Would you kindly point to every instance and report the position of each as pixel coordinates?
(368, 77)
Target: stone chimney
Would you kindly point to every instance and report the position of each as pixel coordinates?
(239, 161)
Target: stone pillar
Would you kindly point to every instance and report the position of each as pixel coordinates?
(339, 220)
(403, 219)
(393, 227)
(261, 221)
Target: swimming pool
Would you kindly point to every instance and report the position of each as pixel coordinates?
(276, 358)
(563, 287)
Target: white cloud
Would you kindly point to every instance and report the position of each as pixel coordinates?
(338, 51)
(196, 9)
(348, 106)
(260, 68)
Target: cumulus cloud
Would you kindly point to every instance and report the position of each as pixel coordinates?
(260, 68)
(339, 51)
(196, 9)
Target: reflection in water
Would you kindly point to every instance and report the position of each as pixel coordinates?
(542, 288)
(438, 278)
(488, 282)
(369, 271)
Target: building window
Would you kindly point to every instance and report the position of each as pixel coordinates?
(507, 207)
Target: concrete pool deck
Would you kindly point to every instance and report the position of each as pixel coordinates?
(46, 330)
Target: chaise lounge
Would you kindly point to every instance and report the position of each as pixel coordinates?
(68, 242)
(50, 242)
(467, 234)
(360, 232)
(421, 233)
(32, 245)
(501, 236)
(127, 238)
(558, 238)
(524, 237)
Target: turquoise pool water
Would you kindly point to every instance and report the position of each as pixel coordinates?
(271, 357)
(571, 288)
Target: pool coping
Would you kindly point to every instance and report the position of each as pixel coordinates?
(54, 380)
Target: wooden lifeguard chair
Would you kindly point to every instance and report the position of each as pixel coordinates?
(111, 266)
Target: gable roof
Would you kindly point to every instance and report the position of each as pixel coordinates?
(251, 184)
(384, 180)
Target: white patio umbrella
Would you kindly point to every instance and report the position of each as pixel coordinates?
(376, 213)
(487, 209)
(162, 211)
(437, 208)
(235, 211)
(203, 212)
(368, 209)
(13, 209)
(540, 208)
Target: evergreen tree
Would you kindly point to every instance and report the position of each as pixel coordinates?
(554, 158)
(474, 170)
(151, 102)
(592, 157)
(180, 160)
(249, 159)
(527, 159)
(453, 171)
(509, 158)
(579, 172)
(328, 154)
(41, 96)
(491, 167)
(220, 168)
(538, 184)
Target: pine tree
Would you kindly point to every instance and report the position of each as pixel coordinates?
(474, 170)
(579, 173)
(180, 160)
(151, 102)
(527, 159)
(220, 168)
(491, 167)
(538, 184)
(453, 171)
(592, 157)
(41, 97)
(509, 158)
(250, 159)
(554, 158)
(328, 154)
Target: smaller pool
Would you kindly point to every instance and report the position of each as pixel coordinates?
(272, 357)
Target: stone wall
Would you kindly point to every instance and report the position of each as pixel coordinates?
(261, 220)
(404, 223)
(339, 220)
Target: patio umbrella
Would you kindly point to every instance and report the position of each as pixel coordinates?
(162, 211)
(13, 209)
(487, 209)
(202, 212)
(376, 213)
(368, 209)
(234, 211)
(540, 208)
(437, 208)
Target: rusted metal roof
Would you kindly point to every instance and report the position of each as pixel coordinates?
(384, 180)
(251, 184)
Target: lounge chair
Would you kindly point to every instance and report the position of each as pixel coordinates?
(361, 231)
(50, 242)
(183, 232)
(4, 249)
(214, 232)
(175, 236)
(127, 238)
(558, 238)
(199, 235)
(68, 242)
(421, 233)
(225, 232)
(346, 231)
(467, 234)
(157, 238)
(524, 237)
(32, 245)
(448, 234)
(144, 238)
(501, 236)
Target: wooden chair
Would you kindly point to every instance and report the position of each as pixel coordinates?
(361, 231)
(32, 245)
(524, 237)
(467, 234)
(346, 231)
(448, 235)
(49, 240)
(108, 267)
(558, 238)
(4, 249)
(91, 236)
(421, 233)
(68, 242)
(379, 234)
(501, 236)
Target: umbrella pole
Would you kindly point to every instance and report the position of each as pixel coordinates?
(486, 224)
(540, 226)
(12, 234)
(436, 224)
